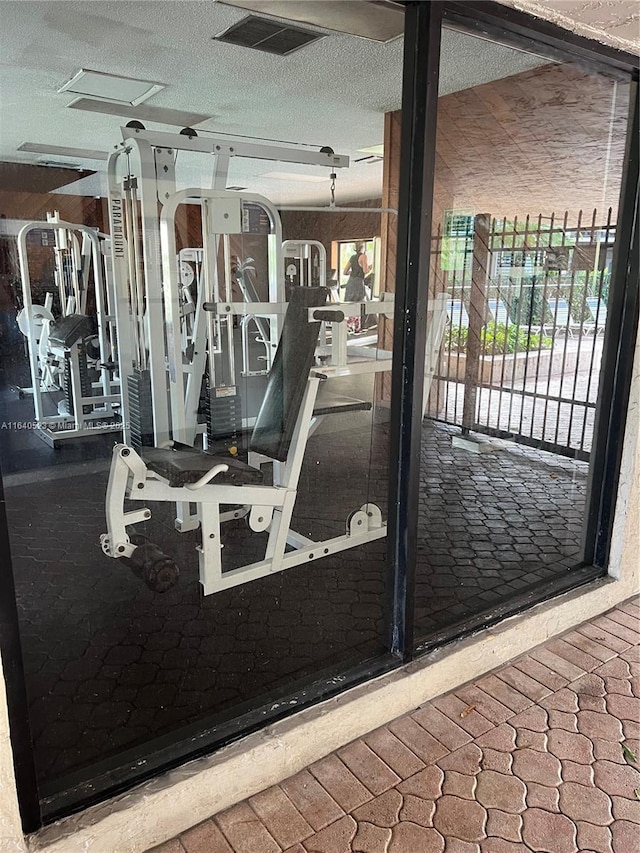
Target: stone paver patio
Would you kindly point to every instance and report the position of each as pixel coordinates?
(542, 755)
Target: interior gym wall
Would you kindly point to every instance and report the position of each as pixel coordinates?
(29, 193)
(328, 228)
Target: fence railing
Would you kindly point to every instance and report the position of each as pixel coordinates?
(527, 308)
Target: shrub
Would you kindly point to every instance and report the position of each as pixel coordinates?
(498, 339)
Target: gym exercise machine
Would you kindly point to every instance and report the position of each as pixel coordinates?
(142, 202)
(185, 337)
(215, 483)
(71, 338)
(305, 262)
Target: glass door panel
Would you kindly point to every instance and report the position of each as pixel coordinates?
(529, 157)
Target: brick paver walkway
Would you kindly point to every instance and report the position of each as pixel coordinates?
(542, 755)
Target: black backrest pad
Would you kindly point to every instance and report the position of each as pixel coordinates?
(287, 381)
(69, 330)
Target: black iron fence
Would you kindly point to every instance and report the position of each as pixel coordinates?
(526, 305)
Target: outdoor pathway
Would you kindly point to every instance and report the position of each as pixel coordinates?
(541, 755)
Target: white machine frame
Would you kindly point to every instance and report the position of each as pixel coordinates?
(138, 263)
(221, 217)
(302, 251)
(149, 307)
(94, 413)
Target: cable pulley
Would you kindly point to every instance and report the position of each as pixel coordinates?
(332, 189)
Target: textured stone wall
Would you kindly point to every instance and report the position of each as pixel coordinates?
(11, 839)
(614, 23)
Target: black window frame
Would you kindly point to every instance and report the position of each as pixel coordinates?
(423, 28)
(511, 27)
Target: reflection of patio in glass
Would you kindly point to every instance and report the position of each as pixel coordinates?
(492, 526)
(554, 402)
(527, 307)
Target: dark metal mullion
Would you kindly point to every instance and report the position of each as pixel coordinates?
(568, 326)
(421, 68)
(629, 333)
(617, 354)
(587, 276)
(595, 328)
(14, 677)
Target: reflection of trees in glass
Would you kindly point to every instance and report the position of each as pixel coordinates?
(456, 253)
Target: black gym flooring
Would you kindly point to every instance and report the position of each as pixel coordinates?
(110, 664)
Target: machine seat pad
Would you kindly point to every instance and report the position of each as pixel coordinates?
(335, 404)
(67, 331)
(182, 465)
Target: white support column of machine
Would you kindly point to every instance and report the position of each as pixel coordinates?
(221, 216)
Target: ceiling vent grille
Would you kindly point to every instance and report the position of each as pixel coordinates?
(268, 35)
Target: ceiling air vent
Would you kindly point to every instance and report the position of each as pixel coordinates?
(111, 87)
(380, 21)
(268, 35)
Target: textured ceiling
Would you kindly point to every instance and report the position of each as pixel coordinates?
(613, 22)
(334, 92)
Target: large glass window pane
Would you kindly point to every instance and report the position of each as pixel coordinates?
(529, 158)
(159, 292)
